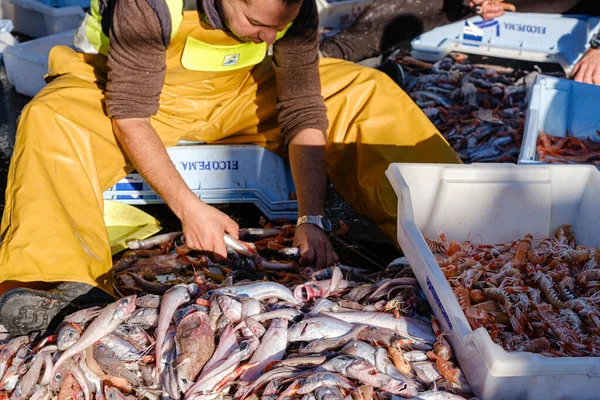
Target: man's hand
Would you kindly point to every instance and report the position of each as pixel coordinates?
(315, 248)
(587, 69)
(204, 227)
(490, 10)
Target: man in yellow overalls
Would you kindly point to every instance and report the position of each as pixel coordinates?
(149, 75)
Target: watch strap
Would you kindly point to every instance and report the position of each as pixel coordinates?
(595, 42)
(314, 220)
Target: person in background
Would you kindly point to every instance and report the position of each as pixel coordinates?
(388, 25)
(587, 70)
(489, 9)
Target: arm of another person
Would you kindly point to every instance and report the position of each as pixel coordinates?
(137, 67)
(489, 10)
(587, 70)
(303, 122)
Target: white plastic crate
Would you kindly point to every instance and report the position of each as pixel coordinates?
(34, 19)
(555, 106)
(223, 174)
(553, 38)
(27, 63)
(340, 14)
(6, 38)
(501, 203)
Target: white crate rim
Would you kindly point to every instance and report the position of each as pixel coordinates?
(537, 365)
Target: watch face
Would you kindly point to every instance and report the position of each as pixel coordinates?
(326, 224)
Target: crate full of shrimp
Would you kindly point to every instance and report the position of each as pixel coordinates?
(562, 123)
(508, 258)
(220, 174)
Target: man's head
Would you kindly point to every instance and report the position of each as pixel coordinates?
(258, 20)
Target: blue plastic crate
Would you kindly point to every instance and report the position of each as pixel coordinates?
(555, 106)
(35, 19)
(66, 3)
(220, 174)
(553, 38)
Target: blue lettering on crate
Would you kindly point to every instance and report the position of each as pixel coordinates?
(439, 302)
(509, 26)
(489, 24)
(210, 165)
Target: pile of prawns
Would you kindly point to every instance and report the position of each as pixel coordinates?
(535, 298)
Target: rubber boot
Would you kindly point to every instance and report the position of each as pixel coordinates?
(24, 310)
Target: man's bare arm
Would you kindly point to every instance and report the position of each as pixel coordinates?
(203, 225)
(307, 160)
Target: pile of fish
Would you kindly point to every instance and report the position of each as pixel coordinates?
(536, 298)
(478, 108)
(337, 333)
(568, 149)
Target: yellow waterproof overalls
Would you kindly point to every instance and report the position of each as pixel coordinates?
(66, 154)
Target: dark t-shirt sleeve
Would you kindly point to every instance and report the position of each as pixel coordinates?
(296, 67)
(136, 61)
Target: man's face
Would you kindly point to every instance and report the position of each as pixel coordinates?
(257, 20)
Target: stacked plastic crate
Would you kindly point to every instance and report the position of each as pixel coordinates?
(49, 23)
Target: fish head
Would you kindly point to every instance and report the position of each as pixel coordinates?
(279, 323)
(145, 317)
(338, 364)
(255, 327)
(322, 304)
(307, 273)
(250, 306)
(308, 291)
(126, 307)
(230, 307)
(112, 393)
(67, 336)
(360, 349)
(303, 293)
(328, 393)
(290, 252)
(60, 374)
(297, 330)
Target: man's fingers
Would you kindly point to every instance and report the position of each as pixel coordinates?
(329, 254)
(219, 250)
(191, 242)
(336, 259)
(321, 256)
(580, 73)
(491, 12)
(307, 254)
(496, 14)
(232, 229)
(575, 70)
(596, 78)
(587, 77)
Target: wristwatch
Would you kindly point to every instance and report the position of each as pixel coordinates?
(318, 220)
(595, 42)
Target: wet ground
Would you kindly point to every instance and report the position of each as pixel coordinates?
(364, 246)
